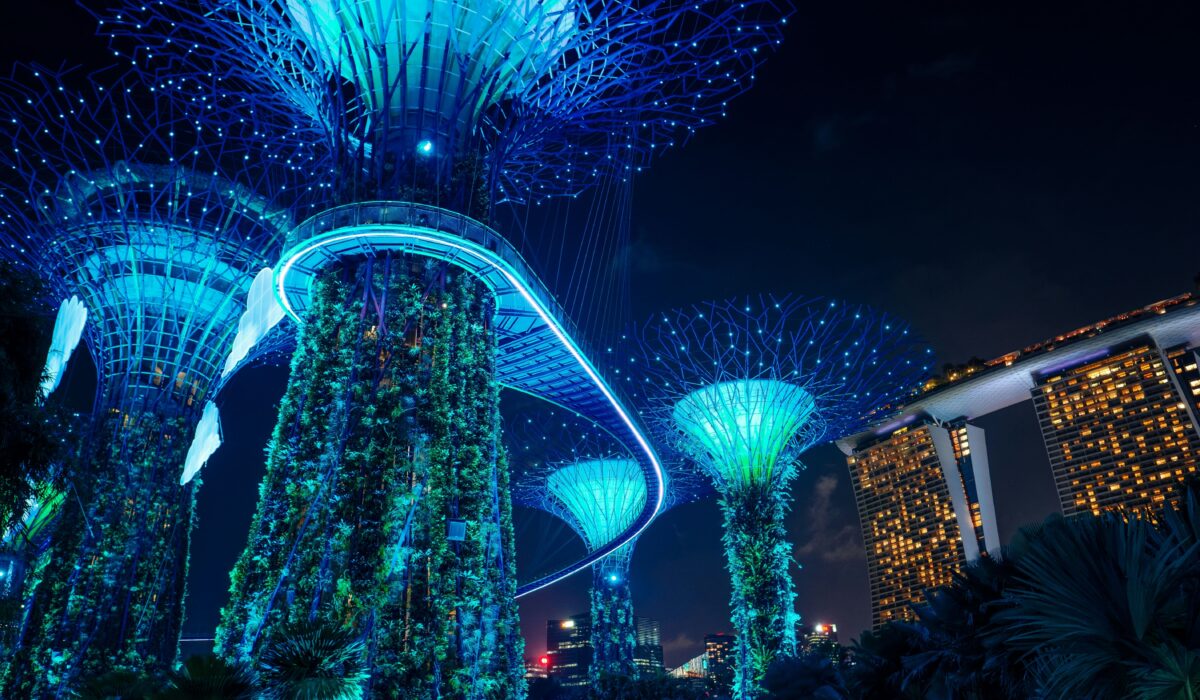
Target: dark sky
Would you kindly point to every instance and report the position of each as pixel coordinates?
(996, 173)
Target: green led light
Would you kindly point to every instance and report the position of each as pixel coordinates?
(739, 431)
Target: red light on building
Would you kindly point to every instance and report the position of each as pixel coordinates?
(545, 660)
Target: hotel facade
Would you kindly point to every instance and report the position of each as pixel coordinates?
(1116, 403)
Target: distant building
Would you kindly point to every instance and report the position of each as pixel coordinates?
(648, 651)
(718, 663)
(820, 633)
(712, 669)
(1117, 403)
(692, 672)
(569, 649)
(537, 668)
(925, 506)
(1120, 427)
(822, 639)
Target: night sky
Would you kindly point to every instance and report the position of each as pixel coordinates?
(996, 174)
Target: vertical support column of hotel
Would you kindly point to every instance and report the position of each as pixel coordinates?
(962, 452)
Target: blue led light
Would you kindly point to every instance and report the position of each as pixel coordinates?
(425, 147)
(514, 288)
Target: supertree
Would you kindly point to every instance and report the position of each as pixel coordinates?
(574, 470)
(156, 223)
(741, 389)
(414, 311)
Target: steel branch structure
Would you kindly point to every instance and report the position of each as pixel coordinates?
(434, 113)
(742, 388)
(535, 97)
(463, 104)
(574, 470)
(158, 221)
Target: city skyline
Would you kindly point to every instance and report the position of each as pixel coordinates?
(955, 312)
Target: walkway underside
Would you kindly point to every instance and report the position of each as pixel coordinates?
(537, 350)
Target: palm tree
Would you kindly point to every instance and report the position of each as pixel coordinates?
(313, 662)
(877, 670)
(1106, 607)
(209, 677)
(959, 656)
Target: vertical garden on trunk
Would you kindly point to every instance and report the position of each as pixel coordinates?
(381, 509)
(133, 526)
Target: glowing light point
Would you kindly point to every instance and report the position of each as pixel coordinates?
(425, 147)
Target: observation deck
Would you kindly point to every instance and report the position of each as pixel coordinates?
(537, 350)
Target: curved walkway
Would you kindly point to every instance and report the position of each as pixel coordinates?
(537, 352)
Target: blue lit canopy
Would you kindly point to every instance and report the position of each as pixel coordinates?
(603, 496)
(543, 95)
(743, 428)
(156, 220)
(573, 469)
(743, 387)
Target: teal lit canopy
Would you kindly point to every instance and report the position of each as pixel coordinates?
(743, 387)
(739, 431)
(602, 496)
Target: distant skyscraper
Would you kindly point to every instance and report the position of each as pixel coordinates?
(822, 638)
(925, 505)
(1120, 427)
(537, 668)
(569, 648)
(719, 663)
(820, 633)
(648, 651)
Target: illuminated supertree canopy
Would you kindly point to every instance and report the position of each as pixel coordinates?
(435, 114)
(577, 472)
(155, 223)
(542, 95)
(741, 389)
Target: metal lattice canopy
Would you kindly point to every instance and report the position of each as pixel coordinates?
(546, 94)
(158, 220)
(435, 112)
(576, 471)
(743, 387)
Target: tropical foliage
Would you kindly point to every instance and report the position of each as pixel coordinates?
(29, 432)
(613, 627)
(1101, 607)
(112, 583)
(758, 555)
(385, 506)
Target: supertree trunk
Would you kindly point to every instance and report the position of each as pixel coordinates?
(614, 634)
(115, 575)
(758, 555)
(384, 453)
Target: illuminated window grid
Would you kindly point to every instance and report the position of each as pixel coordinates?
(909, 526)
(1118, 432)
